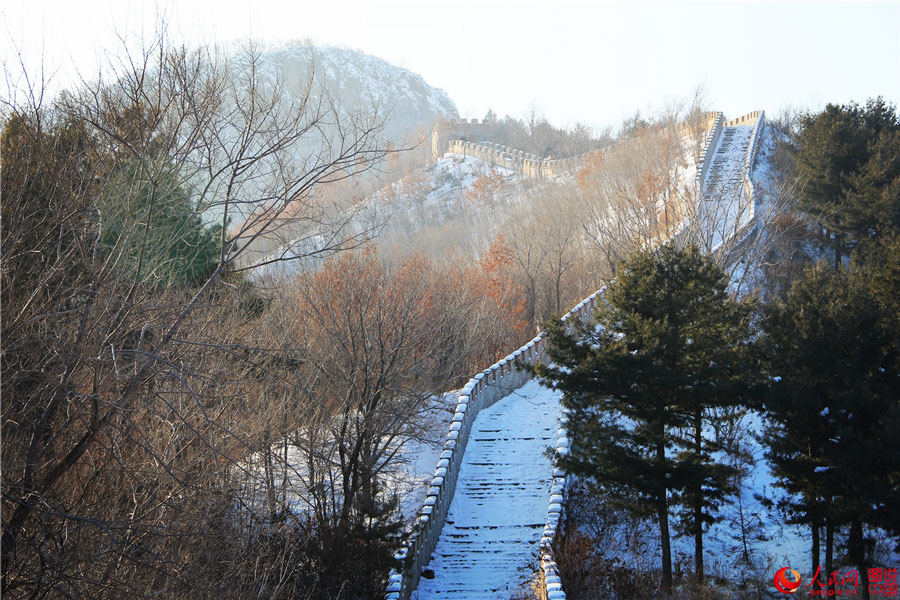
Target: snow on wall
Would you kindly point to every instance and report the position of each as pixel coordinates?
(706, 157)
(481, 391)
(484, 389)
(749, 161)
(752, 150)
(531, 165)
(494, 524)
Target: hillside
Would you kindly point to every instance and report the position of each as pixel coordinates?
(470, 193)
(280, 321)
(432, 209)
(355, 80)
(348, 96)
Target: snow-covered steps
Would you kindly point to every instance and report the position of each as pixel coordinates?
(726, 207)
(489, 542)
(725, 180)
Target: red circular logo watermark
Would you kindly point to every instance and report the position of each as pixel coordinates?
(785, 585)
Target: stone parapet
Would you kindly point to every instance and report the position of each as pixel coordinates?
(706, 156)
(750, 119)
(481, 391)
(537, 167)
(498, 380)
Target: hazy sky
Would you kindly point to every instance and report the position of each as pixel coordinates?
(594, 62)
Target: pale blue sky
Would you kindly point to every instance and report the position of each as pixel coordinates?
(594, 62)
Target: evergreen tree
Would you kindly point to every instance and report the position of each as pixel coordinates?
(831, 349)
(848, 158)
(150, 230)
(877, 185)
(670, 346)
(880, 268)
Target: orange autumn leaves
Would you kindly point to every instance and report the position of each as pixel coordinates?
(593, 166)
(418, 311)
(485, 188)
(492, 281)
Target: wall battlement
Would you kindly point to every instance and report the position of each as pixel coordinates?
(470, 138)
(493, 383)
(749, 119)
(469, 130)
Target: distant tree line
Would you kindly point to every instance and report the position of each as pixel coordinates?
(535, 134)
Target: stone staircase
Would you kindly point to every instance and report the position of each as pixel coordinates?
(490, 539)
(725, 208)
(498, 523)
(726, 174)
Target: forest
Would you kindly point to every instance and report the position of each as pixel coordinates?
(179, 422)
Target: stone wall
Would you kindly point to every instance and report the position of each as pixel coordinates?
(709, 149)
(498, 380)
(529, 165)
(467, 138)
(446, 130)
(482, 391)
(748, 119)
(759, 126)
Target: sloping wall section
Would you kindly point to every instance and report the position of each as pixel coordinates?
(469, 138)
(495, 382)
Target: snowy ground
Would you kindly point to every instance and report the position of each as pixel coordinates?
(489, 541)
(433, 210)
(770, 542)
(414, 469)
(407, 475)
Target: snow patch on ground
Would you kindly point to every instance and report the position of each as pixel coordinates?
(765, 540)
(414, 468)
(407, 475)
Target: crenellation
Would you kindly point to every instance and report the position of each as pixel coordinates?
(484, 389)
(448, 132)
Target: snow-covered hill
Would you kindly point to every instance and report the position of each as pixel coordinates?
(458, 203)
(342, 96)
(356, 80)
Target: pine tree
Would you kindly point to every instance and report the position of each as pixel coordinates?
(150, 229)
(831, 347)
(847, 157)
(670, 346)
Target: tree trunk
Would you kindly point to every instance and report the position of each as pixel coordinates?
(698, 502)
(838, 250)
(698, 543)
(530, 302)
(269, 473)
(745, 554)
(662, 513)
(857, 553)
(816, 561)
(829, 552)
(665, 586)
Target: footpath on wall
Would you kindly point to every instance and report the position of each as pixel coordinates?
(495, 499)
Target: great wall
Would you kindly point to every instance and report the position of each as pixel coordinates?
(491, 533)
(466, 137)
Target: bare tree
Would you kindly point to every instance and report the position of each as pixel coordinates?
(547, 250)
(632, 195)
(126, 405)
